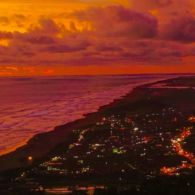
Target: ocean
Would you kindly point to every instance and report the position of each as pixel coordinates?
(29, 106)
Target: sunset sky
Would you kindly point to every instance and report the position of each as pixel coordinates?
(63, 37)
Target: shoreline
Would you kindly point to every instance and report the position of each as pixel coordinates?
(40, 145)
(105, 98)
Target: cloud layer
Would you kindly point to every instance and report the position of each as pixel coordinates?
(146, 33)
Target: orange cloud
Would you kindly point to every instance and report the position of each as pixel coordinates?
(68, 39)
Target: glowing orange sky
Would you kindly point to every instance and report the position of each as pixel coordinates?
(61, 37)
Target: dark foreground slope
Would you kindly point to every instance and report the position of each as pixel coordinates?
(141, 144)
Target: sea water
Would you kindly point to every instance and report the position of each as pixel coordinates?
(29, 106)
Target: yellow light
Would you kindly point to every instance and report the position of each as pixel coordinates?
(30, 158)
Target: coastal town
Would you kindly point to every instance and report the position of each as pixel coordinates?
(119, 147)
(97, 97)
(128, 149)
(124, 145)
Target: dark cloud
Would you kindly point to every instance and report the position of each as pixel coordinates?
(182, 29)
(119, 21)
(162, 5)
(151, 4)
(65, 48)
(6, 35)
(42, 39)
(46, 26)
(116, 35)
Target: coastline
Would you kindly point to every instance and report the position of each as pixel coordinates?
(42, 144)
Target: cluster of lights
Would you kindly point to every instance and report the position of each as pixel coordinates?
(177, 147)
(135, 138)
